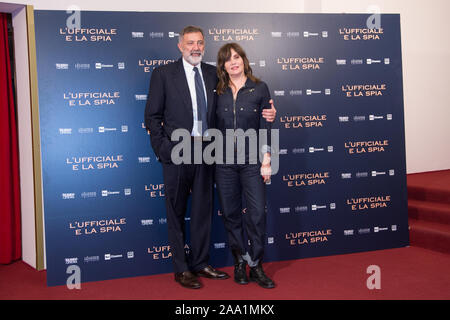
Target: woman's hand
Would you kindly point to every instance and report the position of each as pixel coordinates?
(266, 169)
(270, 114)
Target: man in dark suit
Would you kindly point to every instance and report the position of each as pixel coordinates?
(182, 95)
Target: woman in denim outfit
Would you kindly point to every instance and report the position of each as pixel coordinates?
(242, 175)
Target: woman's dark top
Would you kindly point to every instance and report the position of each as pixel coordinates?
(244, 113)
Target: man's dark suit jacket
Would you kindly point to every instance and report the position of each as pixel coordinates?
(169, 105)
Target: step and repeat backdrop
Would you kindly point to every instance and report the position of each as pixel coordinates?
(337, 87)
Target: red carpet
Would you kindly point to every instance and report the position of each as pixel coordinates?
(429, 210)
(410, 273)
(406, 273)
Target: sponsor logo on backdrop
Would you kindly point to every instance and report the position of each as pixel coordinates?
(366, 203)
(276, 34)
(219, 245)
(297, 34)
(85, 130)
(343, 62)
(300, 209)
(90, 259)
(147, 65)
(140, 97)
(82, 66)
(65, 130)
(62, 66)
(88, 34)
(293, 34)
(306, 179)
(310, 92)
(155, 190)
(299, 92)
(88, 194)
(363, 90)
(316, 207)
(233, 34)
(391, 172)
(94, 162)
(309, 237)
(71, 260)
(295, 92)
(101, 129)
(357, 34)
(371, 117)
(309, 34)
(107, 193)
(304, 208)
(363, 230)
(351, 232)
(97, 226)
(100, 66)
(370, 146)
(300, 63)
(301, 121)
(93, 194)
(378, 61)
(320, 149)
(146, 222)
(137, 34)
(361, 175)
(311, 149)
(109, 256)
(151, 35)
(156, 35)
(89, 99)
(378, 229)
(68, 196)
(143, 159)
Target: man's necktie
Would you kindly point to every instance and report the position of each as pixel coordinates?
(201, 101)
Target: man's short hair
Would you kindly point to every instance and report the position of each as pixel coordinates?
(190, 29)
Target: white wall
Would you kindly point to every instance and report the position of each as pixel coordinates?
(425, 46)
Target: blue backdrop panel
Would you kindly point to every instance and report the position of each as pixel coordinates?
(337, 86)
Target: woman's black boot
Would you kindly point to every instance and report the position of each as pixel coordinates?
(257, 274)
(240, 273)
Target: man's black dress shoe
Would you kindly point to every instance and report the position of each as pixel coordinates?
(188, 280)
(211, 273)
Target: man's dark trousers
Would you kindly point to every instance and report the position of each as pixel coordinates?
(179, 181)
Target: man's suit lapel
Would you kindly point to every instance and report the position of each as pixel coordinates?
(180, 83)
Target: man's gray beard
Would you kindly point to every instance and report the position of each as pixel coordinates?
(194, 60)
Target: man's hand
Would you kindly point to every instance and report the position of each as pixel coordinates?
(270, 114)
